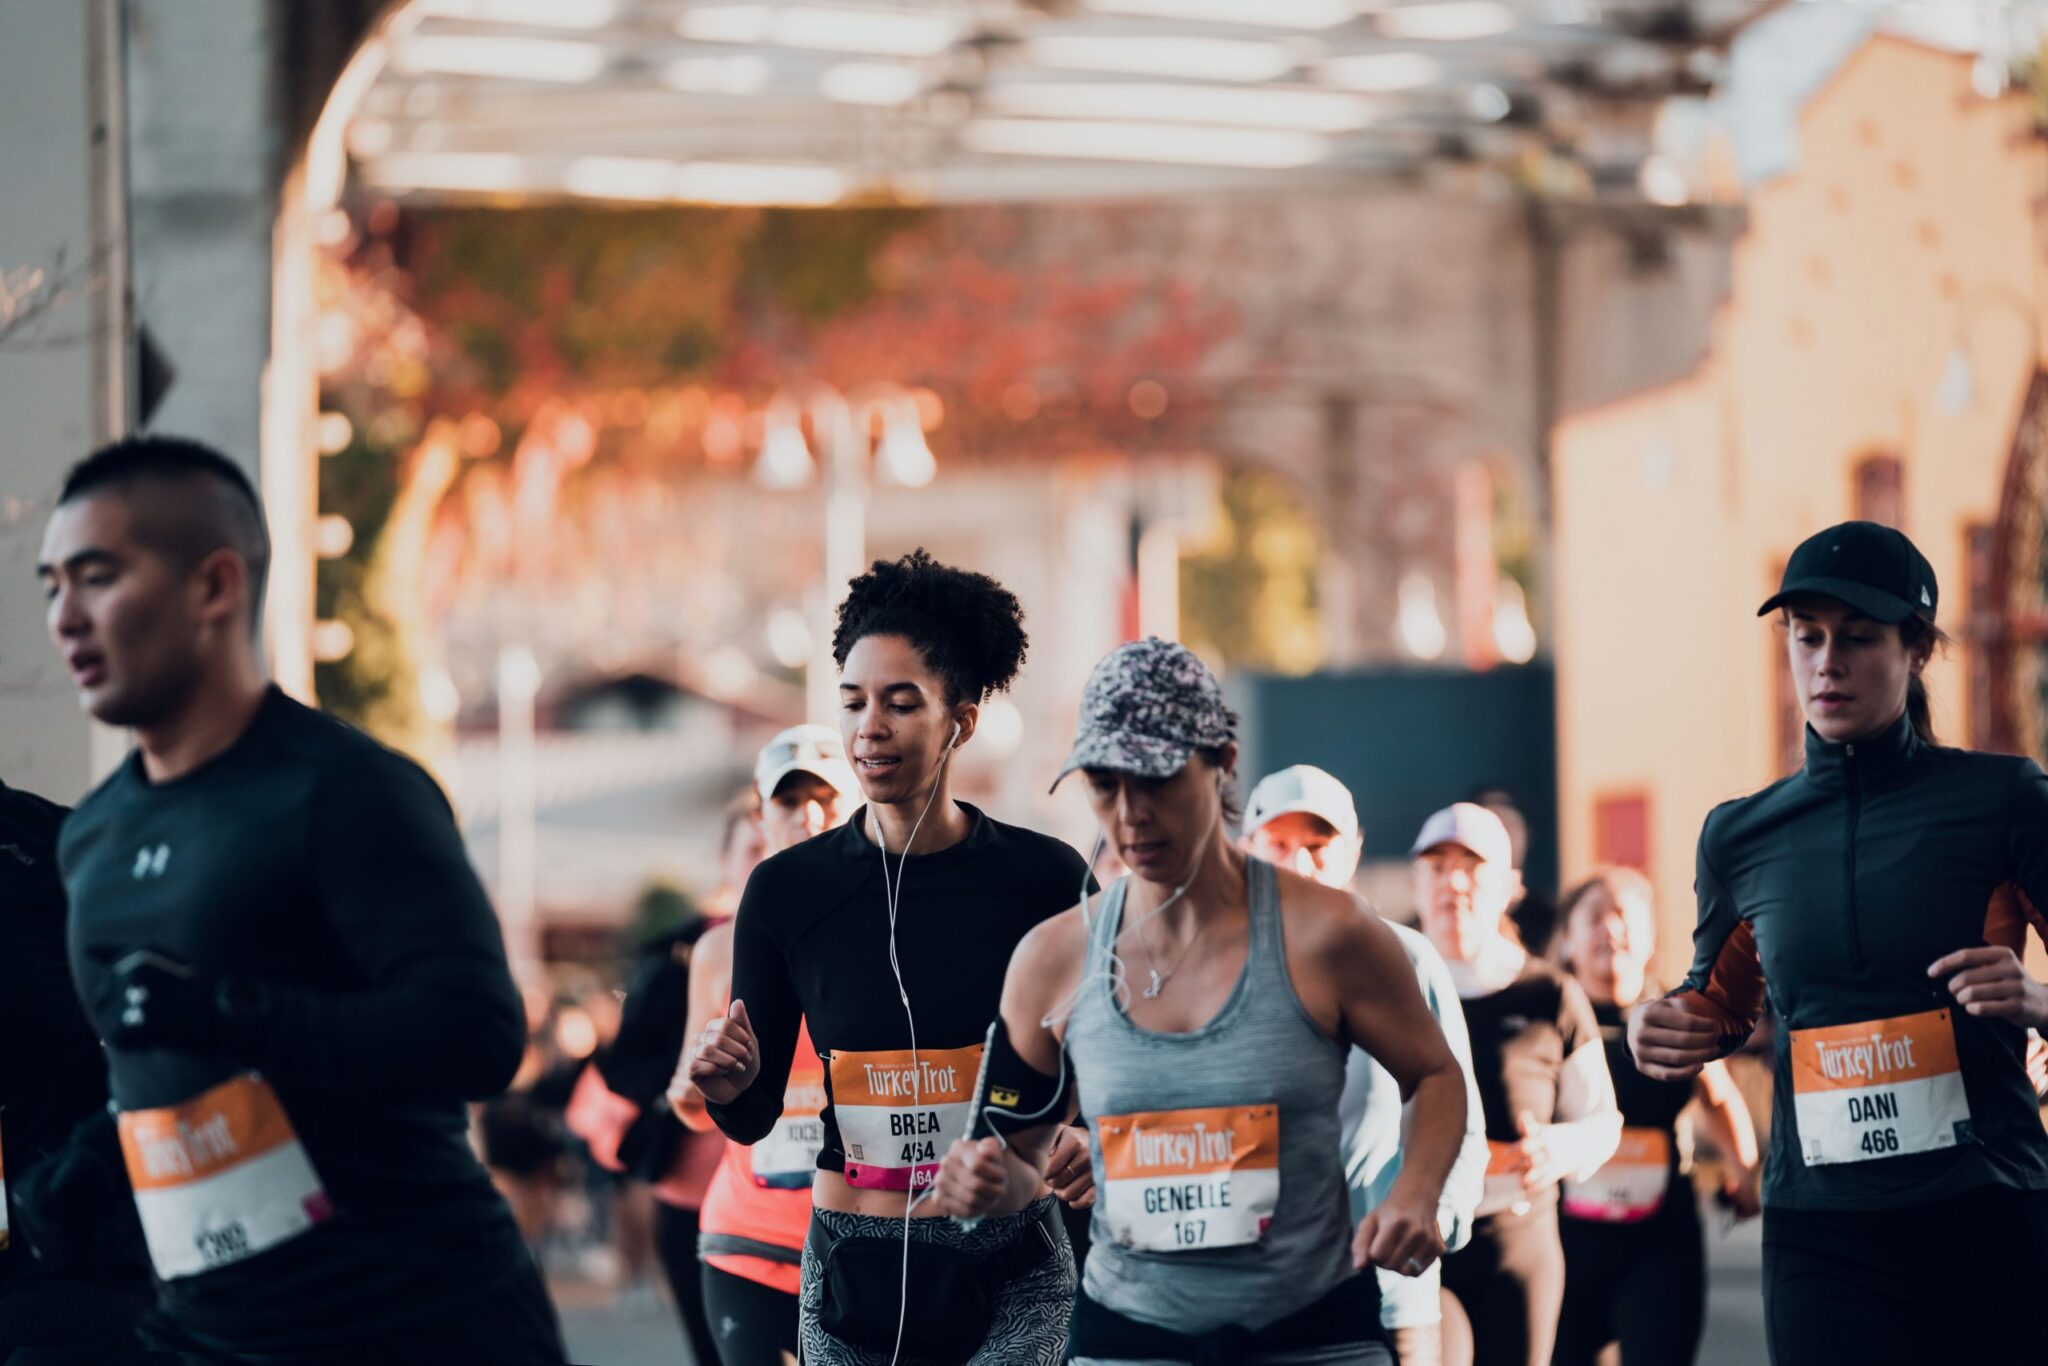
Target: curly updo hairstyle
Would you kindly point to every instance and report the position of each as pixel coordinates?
(968, 628)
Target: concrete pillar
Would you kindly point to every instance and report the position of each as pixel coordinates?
(63, 358)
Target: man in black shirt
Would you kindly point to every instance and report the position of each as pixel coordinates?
(76, 1288)
(276, 931)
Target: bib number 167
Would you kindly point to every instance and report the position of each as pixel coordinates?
(1190, 1232)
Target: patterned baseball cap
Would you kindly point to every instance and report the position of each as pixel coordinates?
(1148, 705)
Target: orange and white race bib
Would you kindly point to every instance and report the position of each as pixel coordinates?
(1878, 1089)
(897, 1114)
(219, 1178)
(1174, 1180)
(1630, 1186)
(787, 1158)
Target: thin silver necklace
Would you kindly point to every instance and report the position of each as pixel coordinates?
(1160, 979)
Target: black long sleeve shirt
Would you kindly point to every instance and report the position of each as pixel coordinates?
(1828, 895)
(310, 858)
(811, 943)
(52, 1073)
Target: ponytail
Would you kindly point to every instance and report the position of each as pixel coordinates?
(1918, 633)
(1919, 713)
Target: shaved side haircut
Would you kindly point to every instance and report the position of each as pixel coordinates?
(188, 501)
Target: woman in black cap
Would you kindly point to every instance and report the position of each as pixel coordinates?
(1201, 1011)
(1879, 900)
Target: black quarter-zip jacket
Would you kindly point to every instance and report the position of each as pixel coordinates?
(1830, 892)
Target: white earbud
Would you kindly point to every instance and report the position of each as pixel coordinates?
(955, 741)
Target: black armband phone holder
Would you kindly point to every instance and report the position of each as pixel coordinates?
(1010, 1095)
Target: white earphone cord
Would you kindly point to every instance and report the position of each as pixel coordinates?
(1112, 974)
(892, 896)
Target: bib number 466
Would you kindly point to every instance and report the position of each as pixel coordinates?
(1878, 1142)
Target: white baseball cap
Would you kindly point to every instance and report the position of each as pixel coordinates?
(1307, 789)
(816, 750)
(1470, 825)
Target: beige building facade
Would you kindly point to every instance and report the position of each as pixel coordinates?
(1876, 356)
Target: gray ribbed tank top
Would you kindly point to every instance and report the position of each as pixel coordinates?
(1261, 1049)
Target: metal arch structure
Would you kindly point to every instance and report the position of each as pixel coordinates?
(826, 102)
(2012, 631)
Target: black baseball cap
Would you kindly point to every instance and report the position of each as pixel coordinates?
(1872, 567)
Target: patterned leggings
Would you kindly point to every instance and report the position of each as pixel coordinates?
(1030, 1327)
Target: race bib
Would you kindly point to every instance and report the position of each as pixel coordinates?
(1503, 1187)
(787, 1158)
(1632, 1184)
(1175, 1180)
(897, 1114)
(1879, 1089)
(219, 1178)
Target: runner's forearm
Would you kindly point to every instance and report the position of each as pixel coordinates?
(1436, 1133)
(441, 1028)
(1582, 1145)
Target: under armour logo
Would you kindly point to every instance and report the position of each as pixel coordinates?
(150, 862)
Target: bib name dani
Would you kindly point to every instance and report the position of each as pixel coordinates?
(1879, 1088)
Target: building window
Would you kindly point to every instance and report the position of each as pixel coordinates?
(1881, 491)
(1621, 830)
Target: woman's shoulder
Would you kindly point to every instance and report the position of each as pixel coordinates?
(1033, 853)
(1051, 957)
(1328, 921)
(1734, 823)
(1983, 766)
(811, 873)
(1060, 940)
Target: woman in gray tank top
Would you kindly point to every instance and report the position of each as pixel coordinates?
(1201, 1011)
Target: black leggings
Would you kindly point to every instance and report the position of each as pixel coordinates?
(675, 1242)
(755, 1323)
(1643, 1286)
(1919, 1285)
(1502, 1292)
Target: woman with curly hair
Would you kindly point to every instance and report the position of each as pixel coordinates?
(889, 937)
